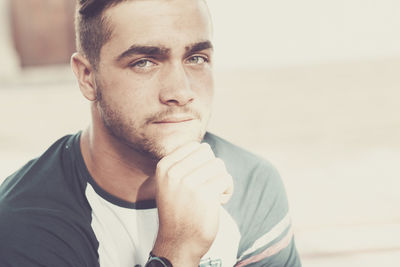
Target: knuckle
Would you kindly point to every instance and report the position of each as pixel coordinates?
(165, 172)
(187, 183)
(161, 166)
(219, 163)
(170, 174)
(206, 147)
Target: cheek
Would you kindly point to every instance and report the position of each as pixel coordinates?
(128, 93)
(203, 84)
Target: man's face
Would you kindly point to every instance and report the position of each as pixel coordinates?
(154, 81)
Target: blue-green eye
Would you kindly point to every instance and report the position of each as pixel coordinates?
(143, 63)
(197, 60)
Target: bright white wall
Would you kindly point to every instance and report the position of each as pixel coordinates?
(289, 32)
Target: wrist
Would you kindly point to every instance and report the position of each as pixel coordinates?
(156, 261)
(176, 255)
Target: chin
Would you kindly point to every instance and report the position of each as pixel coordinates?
(171, 142)
(178, 140)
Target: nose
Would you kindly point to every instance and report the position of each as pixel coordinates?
(176, 87)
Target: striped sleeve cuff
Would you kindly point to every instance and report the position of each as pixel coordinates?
(266, 241)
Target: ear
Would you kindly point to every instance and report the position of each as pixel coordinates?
(84, 73)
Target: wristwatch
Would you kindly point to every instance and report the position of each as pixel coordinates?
(155, 261)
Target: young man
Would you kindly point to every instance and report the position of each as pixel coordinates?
(145, 178)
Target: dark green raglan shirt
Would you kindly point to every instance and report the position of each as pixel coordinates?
(52, 213)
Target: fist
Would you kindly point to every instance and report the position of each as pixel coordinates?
(191, 185)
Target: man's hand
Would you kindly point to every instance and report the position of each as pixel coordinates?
(191, 185)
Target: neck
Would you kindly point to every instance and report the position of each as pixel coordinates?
(117, 168)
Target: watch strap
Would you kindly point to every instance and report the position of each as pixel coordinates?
(161, 261)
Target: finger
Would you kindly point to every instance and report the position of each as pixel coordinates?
(177, 155)
(221, 186)
(226, 196)
(209, 170)
(198, 161)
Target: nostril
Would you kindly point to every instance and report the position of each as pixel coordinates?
(177, 97)
(172, 101)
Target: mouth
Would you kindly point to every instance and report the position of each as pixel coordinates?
(172, 120)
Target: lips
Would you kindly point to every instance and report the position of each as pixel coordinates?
(175, 119)
(174, 116)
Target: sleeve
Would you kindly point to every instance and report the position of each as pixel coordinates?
(39, 237)
(266, 229)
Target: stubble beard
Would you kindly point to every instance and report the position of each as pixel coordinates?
(127, 130)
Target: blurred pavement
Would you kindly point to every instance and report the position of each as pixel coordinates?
(332, 130)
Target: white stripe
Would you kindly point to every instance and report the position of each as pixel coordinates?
(270, 251)
(125, 235)
(269, 237)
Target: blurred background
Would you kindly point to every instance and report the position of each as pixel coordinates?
(312, 85)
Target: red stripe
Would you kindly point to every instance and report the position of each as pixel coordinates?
(282, 244)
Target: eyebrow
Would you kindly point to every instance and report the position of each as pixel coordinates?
(161, 51)
(197, 47)
(144, 50)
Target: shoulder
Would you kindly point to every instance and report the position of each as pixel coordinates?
(52, 181)
(42, 215)
(259, 207)
(33, 236)
(246, 168)
(51, 176)
(258, 187)
(236, 158)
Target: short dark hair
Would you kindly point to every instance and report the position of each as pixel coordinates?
(92, 28)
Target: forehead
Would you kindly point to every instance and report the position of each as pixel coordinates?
(170, 23)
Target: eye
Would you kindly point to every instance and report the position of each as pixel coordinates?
(143, 63)
(197, 60)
